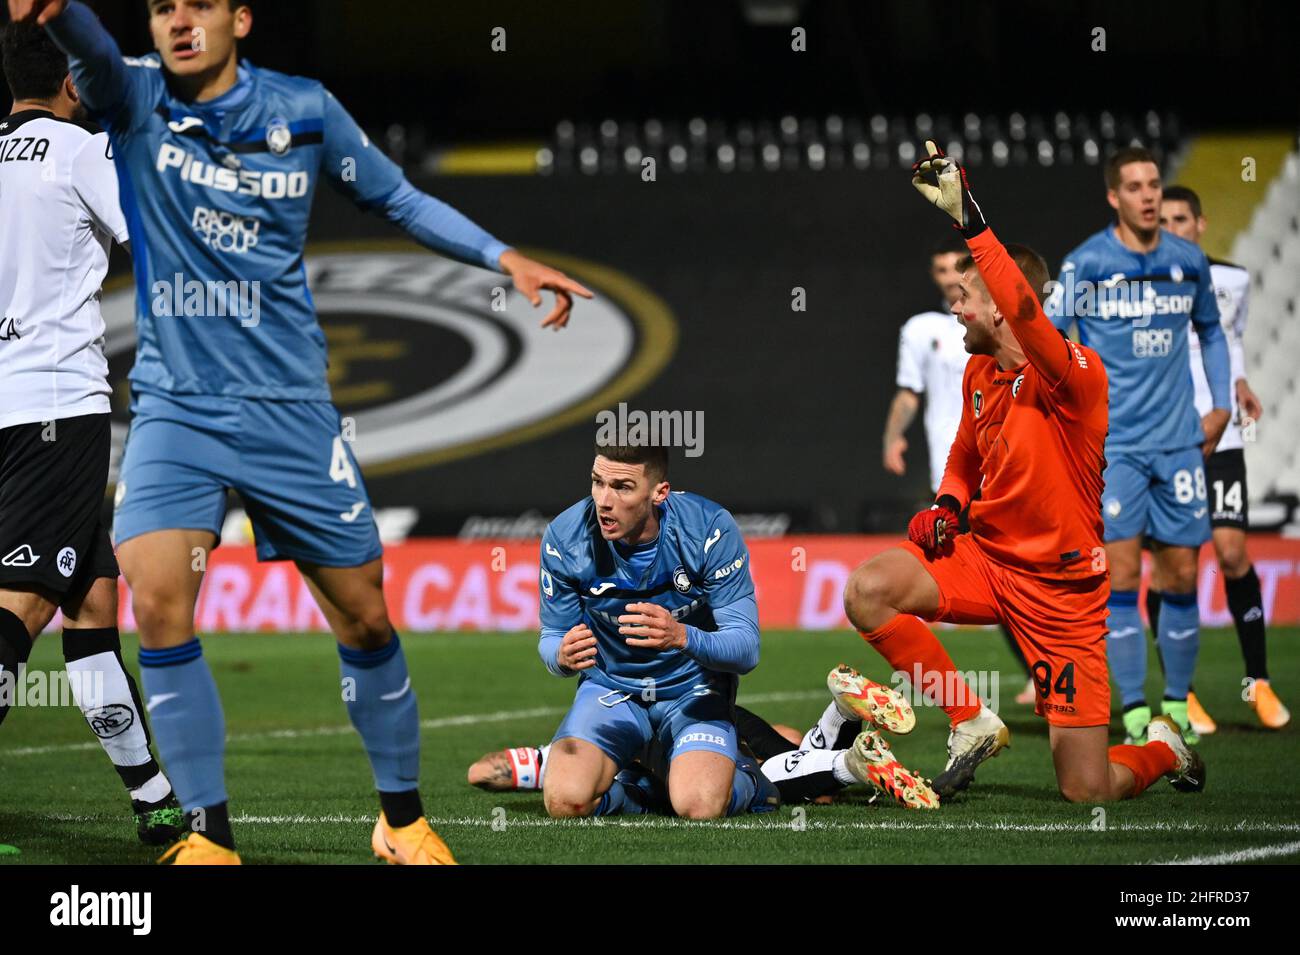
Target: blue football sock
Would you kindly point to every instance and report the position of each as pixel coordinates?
(1179, 639)
(185, 713)
(622, 800)
(381, 705)
(1126, 647)
(751, 791)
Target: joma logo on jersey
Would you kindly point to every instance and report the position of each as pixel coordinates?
(1152, 342)
(244, 182)
(225, 231)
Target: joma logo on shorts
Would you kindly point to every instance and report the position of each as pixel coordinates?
(701, 738)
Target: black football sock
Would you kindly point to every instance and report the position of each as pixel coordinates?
(763, 741)
(15, 648)
(212, 822)
(1247, 607)
(401, 809)
(1153, 610)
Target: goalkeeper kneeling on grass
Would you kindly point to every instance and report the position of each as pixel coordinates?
(1031, 439)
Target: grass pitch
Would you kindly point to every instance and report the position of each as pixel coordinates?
(301, 789)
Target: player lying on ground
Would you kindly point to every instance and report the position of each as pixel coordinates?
(1131, 289)
(1225, 474)
(239, 399)
(837, 752)
(60, 210)
(1033, 425)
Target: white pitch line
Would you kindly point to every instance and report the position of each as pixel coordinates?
(443, 722)
(758, 825)
(1239, 856)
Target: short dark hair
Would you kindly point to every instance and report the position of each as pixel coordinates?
(1183, 194)
(1032, 266)
(233, 4)
(34, 67)
(954, 243)
(1122, 158)
(653, 456)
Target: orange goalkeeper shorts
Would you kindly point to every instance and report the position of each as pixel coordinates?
(1060, 625)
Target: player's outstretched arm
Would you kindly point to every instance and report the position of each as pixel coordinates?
(1010, 291)
(93, 54)
(353, 164)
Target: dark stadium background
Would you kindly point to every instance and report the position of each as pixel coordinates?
(794, 402)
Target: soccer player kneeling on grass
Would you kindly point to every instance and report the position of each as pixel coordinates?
(1031, 438)
(647, 598)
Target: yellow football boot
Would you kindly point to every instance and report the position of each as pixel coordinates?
(416, 844)
(196, 849)
(1268, 707)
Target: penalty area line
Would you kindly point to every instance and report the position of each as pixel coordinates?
(757, 825)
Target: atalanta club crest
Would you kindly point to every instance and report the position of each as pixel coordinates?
(977, 402)
(278, 137)
(681, 580)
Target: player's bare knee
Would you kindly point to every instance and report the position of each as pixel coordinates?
(701, 805)
(368, 630)
(1080, 790)
(161, 613)
(565, 802)
(1233, 560)
(867, 596)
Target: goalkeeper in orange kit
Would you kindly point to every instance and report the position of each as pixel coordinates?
(1031, 441)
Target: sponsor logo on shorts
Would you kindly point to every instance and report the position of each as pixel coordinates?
(66, 561)
(112, 720)
(1059, 707)
(713, 738)
(21, 556)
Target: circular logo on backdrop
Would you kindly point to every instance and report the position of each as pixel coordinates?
(434, 360)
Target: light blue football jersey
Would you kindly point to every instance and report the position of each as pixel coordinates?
(217, 197)
(699, 566)
(1133, 309)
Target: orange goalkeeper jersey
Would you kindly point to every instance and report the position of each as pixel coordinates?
(1031, 438)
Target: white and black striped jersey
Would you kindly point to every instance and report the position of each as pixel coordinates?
(1231, 290)
(59, 213)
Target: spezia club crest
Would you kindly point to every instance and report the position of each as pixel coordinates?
(1015, 385)
(278, 137)
(681, 580)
